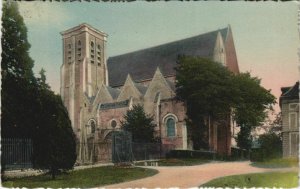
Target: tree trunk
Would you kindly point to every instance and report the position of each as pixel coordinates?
(53, 173)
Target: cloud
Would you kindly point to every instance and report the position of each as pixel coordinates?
(43, 13)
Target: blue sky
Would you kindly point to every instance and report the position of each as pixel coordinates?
(265, 33)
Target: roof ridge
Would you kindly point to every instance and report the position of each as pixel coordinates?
(167, 43)
(142, 64)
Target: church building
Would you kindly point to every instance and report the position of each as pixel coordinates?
(98, 90)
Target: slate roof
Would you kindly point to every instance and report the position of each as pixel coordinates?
(171, 84)
(290, 93)
(141, 88)
(113, 92)
(90, 99)
(141, 65)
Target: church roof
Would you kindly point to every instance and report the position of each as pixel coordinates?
(113, 92)
(290, 93)
(141, 88)
(141, 65)
(171, 84)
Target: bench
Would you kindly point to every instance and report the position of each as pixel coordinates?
(151, 162)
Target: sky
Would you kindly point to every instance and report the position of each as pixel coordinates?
(265, 33)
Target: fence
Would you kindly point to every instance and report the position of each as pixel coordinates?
(146, 151)
(109, 151)
(122, 147)
(16, 153)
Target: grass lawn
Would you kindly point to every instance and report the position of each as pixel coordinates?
(274, 179)
(178, 162)
(85, 178)
(277, 163)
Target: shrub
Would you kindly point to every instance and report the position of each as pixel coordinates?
(256, 154)
(191, 154)
(270, 148)
(239, 154)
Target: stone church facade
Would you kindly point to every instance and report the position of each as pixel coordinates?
(98, 91)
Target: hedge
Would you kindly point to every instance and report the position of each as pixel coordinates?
(191, 154)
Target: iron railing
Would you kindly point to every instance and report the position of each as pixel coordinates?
(16, 153)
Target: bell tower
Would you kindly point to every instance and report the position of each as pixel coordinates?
(83, 70)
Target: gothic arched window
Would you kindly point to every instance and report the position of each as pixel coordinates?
(91, 127)
(170, 124)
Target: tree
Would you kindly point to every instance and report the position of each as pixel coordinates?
(253, 101)
(199, 78)
(54, 146)
(252, 106)
(276, 125)
(139, 124)
(212, 92)
(18, 81)
(270, 145)
(54, 142)
(244, 138)
(29, 108)
(270, 142)
(206, 87)
(42, 80)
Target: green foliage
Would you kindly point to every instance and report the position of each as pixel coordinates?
(211, 90)
(270, 180)
(238, 154)
(270, 142)
(270, 145)
(29, 108)
(86, 178)
(16, 61)
(270, 148)
(188, 154)
(244, 138)
(42, 80)
(139, 124)
(198, 132)
(205, 85)
(250, 109)
(18, 81)
(54, 142)
(277, 163)
(276, 125)
(178, 162)
(252, 100)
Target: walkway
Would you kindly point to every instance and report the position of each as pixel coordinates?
(192, 176)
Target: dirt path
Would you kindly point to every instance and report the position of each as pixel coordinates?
(191, 176)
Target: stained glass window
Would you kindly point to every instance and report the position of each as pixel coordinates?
(170, 127)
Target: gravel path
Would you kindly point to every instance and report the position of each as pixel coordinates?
(192, 176)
